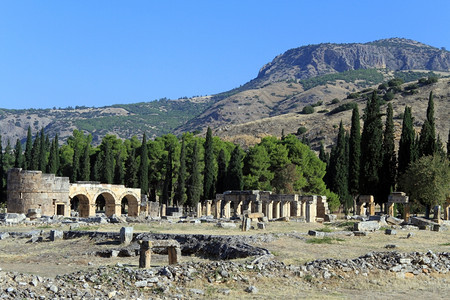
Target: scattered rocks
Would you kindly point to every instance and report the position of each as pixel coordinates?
(390, 232)
(251, 289)
(367, 226)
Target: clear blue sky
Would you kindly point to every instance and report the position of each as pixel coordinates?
(98, 53)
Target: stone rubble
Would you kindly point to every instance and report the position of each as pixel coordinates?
(168, 282)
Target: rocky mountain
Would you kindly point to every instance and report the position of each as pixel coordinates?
(322, 76)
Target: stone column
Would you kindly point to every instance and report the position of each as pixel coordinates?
(406, 212)
(145, 254)
(208, 207)
(371, 208)
(390, 207)
(258, 206)
(217, 209)
(173, 255)
(447, 211)
(163, 210)
(237, 208)
(437, 214)
(227, 210)
(250, 206)
(285, 209)
(296, 208)
(311, 209)
(269, 210)
(199, 210)
(276, 209)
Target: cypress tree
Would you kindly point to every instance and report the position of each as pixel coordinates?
(235, 178)
(28, 148)
(371, 145)
(131, 179)
(119, 173)
(339, 168)
(180, 193)
(42, 151)
(427, 140)
(18, 161)
(389, 166)
(221, 172)
(354, 155)
(208, 178)
(2, 172)
(448, 145)
(108, 163)
(323, 155)
(53, 158)
(406, 145)
(143, 166)
(96, 167)
(75, 163)
(85, 165)
(194, 188)
(168, 185)
(35, 154)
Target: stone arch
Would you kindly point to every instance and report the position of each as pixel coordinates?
(80, 203)
(132, 203)
(111, 205)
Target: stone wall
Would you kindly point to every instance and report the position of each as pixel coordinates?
(35, 190)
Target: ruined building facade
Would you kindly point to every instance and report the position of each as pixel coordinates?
(31, 191)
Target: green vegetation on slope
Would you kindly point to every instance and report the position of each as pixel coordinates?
(370, 76)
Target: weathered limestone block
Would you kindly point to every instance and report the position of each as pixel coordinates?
(56, 235)
(126, 235)
(330, 218)
(145, 254)
(226, 225)
(316, 233)
(261, 225)
(367, 226)
(418, 221)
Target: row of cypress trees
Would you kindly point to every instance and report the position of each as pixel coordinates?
(367, 163)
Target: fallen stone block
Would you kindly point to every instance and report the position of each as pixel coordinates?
(360, 233)
(255, 215)
(226, 225)
(418, 221)
(126, 235)
(390, 232)
(393, 221)
(56, 235)
(4, 235)
(316, 233)
(261, 225)
(14, 218)
(330, 218)
(366, 226)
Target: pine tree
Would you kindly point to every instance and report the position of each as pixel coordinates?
(119, 173)
(354, 155)
(371, 146)
(389, 167)
(208, 178)
(131, 170)
(85, 164)
(221, 172)
(168, 185)
(28, 148)
(18, 161)
(427, 140)
(234, 172)
(52, 167)
(194, 188)
(143, 166)
(323, 156)
(406, 145)
(96, 166)
(180, 192)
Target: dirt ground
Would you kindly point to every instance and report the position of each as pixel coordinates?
(288, 242)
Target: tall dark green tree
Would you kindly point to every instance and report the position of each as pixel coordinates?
(389, 167)
(53, 159)
(28, 148)
(235, 177)
(18, 161)
(35, 153)
(221, 172)
(168, 184)
(427, 140)
(371, 146)
(323, 155)
(85, 163)
(194, 188)
(75, 164)
(42, 151)
(354, 155)
(119, 172)
(448, 145)
(143, 166)
(406, 147)
(131, 178)
(339, 168)
(107, 162)
(2, 171)
(209, 171)
(180, 192)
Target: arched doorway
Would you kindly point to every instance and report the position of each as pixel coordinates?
(106, 203)
(130, 205)
(80, 204)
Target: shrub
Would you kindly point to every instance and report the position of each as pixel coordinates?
(335, 101)
(301, 130)
(343, 107)
(389, 96)
(395, 82)
(353, 95)
(308, 109)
